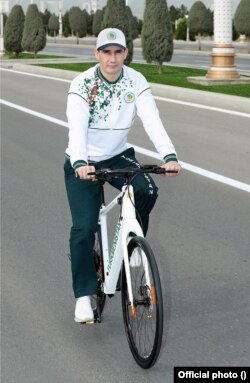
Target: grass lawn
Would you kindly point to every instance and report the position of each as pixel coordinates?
(175, 76)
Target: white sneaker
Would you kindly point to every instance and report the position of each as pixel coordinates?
(136, 257)
(83, 310)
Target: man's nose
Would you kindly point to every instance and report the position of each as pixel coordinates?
(113, 56)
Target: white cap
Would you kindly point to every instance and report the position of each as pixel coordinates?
(110, 36)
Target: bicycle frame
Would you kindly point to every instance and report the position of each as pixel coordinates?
(127, 222)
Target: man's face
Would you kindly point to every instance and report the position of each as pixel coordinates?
(111, 61)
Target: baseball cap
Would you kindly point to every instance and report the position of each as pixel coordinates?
(110, 36)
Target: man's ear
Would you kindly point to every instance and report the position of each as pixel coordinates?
(97, 54)
(126, 53)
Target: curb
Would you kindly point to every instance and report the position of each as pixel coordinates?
(217, 100)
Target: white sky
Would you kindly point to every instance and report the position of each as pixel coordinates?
(137, 6)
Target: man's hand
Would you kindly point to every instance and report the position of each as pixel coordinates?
(82, 172)
(172, 165)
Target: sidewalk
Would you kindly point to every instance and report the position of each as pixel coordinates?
(217, 100)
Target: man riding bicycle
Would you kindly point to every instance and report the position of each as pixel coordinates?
(101, 107)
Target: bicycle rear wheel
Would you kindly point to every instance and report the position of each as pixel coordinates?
(143, 322)
(100, 300)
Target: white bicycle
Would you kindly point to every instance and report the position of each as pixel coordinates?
(130, 266)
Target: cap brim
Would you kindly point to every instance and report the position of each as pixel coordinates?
(108, 45)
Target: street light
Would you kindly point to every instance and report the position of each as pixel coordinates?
(4, 8)
(60, 7)
(187, 36)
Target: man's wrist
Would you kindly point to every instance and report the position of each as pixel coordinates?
(79, 163)
(170, 157)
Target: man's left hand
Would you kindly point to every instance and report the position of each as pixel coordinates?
(174, 166)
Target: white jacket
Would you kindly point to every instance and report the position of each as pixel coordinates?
(100, 115)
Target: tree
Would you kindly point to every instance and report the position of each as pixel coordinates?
(242, 19)
(53, 24)
(177, 13)
(139, 26)
(157, 35)
(46, 16)
(13, 30)
(78, 22)
(199, 20)
(97, 22)
(34, 35)
(133, 25)
(89, 21)
(115, 16)
(181, 31)
(66, 25)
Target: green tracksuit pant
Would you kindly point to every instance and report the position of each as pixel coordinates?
(84, 200)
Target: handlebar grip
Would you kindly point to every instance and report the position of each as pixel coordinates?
(171, 171)
(160, 170)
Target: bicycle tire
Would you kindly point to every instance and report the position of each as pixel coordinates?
(144, 329)
(98, 258)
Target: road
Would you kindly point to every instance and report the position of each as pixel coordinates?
(199, 232)
(181, 57)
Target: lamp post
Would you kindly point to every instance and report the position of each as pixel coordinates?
(187, 36)
(4, 8)
(223, 54)
(60, 7)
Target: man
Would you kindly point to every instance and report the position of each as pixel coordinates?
(102, 103)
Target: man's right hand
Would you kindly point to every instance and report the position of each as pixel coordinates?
(82, 172)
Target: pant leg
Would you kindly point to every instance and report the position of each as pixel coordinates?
(84, 201)
(145, 190)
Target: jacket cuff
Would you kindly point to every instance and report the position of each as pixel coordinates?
(170, 157)
(79, 163)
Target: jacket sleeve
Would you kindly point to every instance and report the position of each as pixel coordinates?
(78, 119)
(149, 115)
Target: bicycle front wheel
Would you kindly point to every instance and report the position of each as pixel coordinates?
(144, 320)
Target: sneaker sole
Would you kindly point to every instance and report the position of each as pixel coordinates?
(87, 320)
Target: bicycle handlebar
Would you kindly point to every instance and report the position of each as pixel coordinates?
(108, 174)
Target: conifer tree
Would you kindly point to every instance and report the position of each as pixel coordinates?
(157, 34)
(242, 19)
(89, 22)
(115, 16)
(199, 20)
(97, 22)
(133, 26)
(66, 25)
(45, 17)
(78, 22)
(13, 30)
(53, 24)
(34, 35)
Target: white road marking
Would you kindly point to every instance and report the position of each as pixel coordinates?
(165, 99)
(200, 106)
(35, 75)
(194, 169)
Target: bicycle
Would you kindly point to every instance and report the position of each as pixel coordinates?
(131, 264)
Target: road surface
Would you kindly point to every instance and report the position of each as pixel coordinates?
(199, 232)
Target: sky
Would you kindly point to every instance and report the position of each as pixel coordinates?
(137, 6)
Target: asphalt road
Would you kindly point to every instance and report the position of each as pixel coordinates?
(199, 232)
(195, 59)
